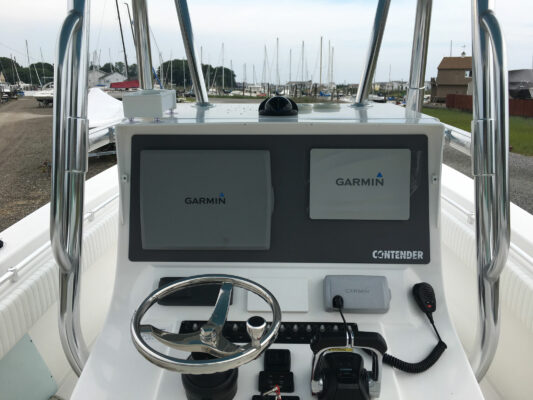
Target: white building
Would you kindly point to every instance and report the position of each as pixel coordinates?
(107, 79)
(392, 86)
(101, 78)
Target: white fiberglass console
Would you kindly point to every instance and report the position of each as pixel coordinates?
(345, 193)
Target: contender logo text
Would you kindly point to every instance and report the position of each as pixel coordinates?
(398, 255)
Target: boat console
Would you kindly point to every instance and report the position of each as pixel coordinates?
(279, 257)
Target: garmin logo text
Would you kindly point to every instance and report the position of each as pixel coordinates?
(220, 200)
(398, 255)
(357, 291)
(379, 180)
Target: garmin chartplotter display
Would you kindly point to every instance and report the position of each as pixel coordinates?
(205, 199)
(360, 184)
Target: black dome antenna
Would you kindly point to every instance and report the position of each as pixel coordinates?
(278, 106)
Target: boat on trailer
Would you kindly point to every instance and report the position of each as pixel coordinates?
(45, 96)
(283, 252)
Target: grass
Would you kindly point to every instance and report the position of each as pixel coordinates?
(520, 129)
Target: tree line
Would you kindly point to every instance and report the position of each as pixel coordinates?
(13, 72)
(118, 67)
(181, 76)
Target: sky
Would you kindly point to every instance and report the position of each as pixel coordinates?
(247, 26)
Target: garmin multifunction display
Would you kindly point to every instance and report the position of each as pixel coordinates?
(206, 199)
(360, 184)
(280, 198)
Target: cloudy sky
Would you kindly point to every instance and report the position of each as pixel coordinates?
(246, 26)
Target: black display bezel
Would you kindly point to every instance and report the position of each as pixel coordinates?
(294, 236)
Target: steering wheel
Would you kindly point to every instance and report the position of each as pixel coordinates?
(208, 339)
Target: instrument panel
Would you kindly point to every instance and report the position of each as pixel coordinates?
(280, 198)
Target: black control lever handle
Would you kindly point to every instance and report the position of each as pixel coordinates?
(372, 340)
(323, 340)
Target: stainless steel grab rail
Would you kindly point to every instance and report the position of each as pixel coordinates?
(70, 127)
(142, 43)
(194, 62)
(376, 36)
(417, 75)
(490, 143)
(458, 139)
(501, 147)
(143, 49)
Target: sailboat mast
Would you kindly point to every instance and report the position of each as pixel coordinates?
(202, 63)
(14, 61)
(183, 67)
(264, 74)
(131, 21)
(231, 67)
(162, 74)
(36, 73)
(243, 78)
(29, 64)
(42, 62)
(329, 63)
(332, 57)
(303, 44)
(277, 62)
(290, 64)
(320, 84)
(122, 37)
(208, 74)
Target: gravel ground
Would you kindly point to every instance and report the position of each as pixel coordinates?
(520, 172)
(26, 153)
(25, 156)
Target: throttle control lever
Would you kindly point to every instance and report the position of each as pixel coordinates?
(338, 372)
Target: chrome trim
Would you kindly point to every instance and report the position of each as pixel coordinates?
(415, 92)
(458, 139)
(69, 167)
(490, 144)
(256, 332)
(376, 36)
(209, 339)
(101, 136)
(142, 44)
(195, 65)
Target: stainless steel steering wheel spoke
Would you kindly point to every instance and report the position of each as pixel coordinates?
(192, 342)
(179, 341)
(220, 313)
